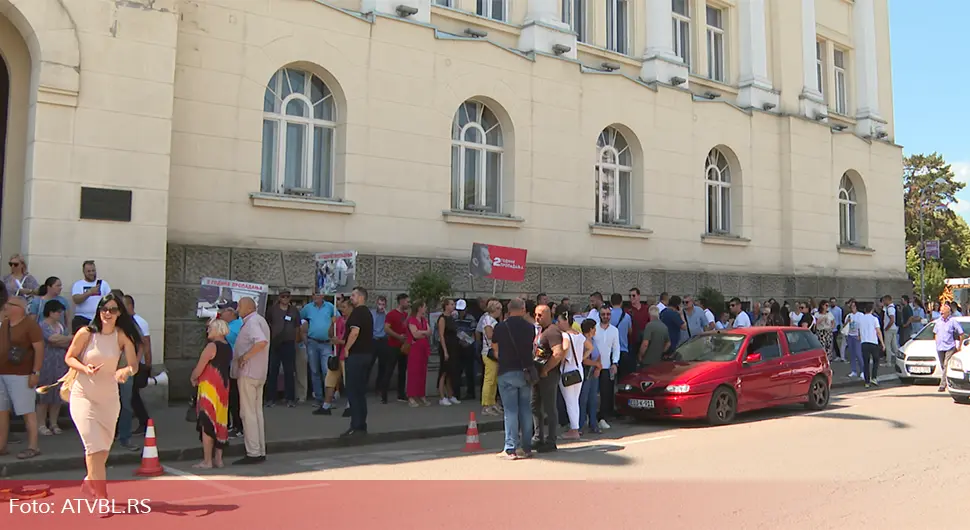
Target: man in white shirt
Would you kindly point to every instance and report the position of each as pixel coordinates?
(607, 343)
(144, 367)
(662, 304)
(740, 317)
(595, 304)
(711, 319)
(890, 328)
(86, 294)
(870, 333)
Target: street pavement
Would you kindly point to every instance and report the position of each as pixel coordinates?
(889, 457)
(289, 430)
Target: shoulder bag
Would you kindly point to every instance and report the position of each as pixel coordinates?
(67, 382)
(572, 377)
(530, 372)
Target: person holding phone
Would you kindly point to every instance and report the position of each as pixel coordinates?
(86, 294)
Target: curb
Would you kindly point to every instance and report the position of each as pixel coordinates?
(273, 447)
(888, 378)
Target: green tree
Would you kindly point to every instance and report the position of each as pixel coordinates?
(429, 286)
(930, 186)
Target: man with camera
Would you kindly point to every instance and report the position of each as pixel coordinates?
(549, 353)
(21, 358)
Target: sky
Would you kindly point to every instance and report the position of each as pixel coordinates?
(929, 73)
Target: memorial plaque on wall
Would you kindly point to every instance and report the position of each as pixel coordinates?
(106, 204)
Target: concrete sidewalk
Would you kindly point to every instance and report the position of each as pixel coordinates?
(293, 429)
(287, 429)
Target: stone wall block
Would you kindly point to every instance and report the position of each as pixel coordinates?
(706, 279)
(531, 285)
(259, 266)
(624, 280)
(206, 262)
(174, 263)
(597, 279)
(680, 283)
(806, 287)
(366, 270)
(397, 273)
(179, 371)
(173, 340)
(773, 287)
(730, 285)
(749, 286)
(193, 338)
(456, 271)
(485, 286)
(828, 287)
(791, 289)
(561, 280)
(181, 302)
(299, 270)
(652, 283)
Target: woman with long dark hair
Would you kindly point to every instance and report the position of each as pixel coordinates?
(775, 316)
(51, 290)
(95, 402)
(448, 352)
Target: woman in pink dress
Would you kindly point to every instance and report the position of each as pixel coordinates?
(418, 333)
(95, 402)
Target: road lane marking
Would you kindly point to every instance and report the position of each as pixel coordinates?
(208, 481)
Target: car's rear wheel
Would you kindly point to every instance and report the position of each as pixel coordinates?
(818, 393)
(963, 400)
(723, 407)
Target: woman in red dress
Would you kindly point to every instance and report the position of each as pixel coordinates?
(418, 333)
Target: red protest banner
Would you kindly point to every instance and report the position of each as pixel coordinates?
(498, 263)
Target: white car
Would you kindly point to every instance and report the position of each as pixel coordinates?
(918, 360)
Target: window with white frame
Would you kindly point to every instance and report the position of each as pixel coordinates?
(681, 27)
(493, 9)
(614, 170)
(848, 212)
(718, 182)
(444, 3)
(715, 44)
(476, 159)
(819, 70)
(574, 15)
(617, 26)
(299, 126)
(841, 99)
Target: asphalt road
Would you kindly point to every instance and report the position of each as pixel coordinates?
(886, 458)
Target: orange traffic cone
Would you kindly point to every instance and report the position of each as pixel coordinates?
(472, 443)
(150, 466)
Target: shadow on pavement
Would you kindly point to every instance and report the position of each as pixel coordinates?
(895, 424)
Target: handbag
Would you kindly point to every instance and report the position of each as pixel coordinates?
(67, 382)
(572, 377)
(333, 363)
(15, 354)
(530, 372)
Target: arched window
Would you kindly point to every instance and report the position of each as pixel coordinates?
(476, 159)
(299, 122)
(848, 212)
(718, 177)
(614, 167)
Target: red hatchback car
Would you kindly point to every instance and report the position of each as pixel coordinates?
(721, 373)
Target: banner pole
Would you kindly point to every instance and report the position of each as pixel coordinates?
(494, 286)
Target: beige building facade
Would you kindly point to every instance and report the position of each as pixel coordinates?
(670, 144)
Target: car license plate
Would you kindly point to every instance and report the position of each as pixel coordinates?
(921, 369)
(641, 403)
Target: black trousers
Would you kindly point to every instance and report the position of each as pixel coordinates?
(282, 353)
(235, 417)
(627, 365)
(870, 361)
(78, 322)
(356, 366)
(606, 396)
(469, 365)
(544, 409)
(384, 357)
(137, 405)
(394, 356)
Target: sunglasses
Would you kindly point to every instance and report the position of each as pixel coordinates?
(14, 264)
(114, 310)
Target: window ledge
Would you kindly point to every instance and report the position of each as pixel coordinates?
(602, 229)
(856, 250)
(482, 219)
(725, 239)
(313, 204)
(709, 83)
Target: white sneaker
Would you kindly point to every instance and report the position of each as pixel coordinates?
(444, 402)
(853, 374)
(454, 400)
(603, 425)
(874, 381)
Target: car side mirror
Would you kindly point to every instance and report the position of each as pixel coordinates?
(752, 358)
